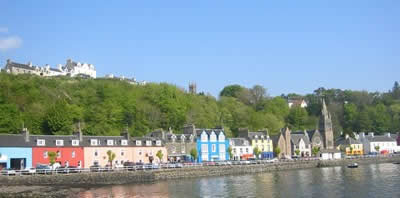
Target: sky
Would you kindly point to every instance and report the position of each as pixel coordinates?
(285, 46)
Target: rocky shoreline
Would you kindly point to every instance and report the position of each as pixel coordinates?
(58, 186)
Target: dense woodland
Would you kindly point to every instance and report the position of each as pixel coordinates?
(107, 106)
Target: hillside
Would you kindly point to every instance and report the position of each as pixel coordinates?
(107, 106)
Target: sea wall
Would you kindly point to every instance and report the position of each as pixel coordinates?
(126, 177)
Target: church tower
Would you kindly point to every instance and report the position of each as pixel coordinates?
(325, 126)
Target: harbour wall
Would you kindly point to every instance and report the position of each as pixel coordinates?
(128, 177)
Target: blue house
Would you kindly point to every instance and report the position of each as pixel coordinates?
(212, 145)
(15, 151)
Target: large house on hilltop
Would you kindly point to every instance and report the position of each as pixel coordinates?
(71, 69)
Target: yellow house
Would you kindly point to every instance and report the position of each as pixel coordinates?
(263, 142)
(350, 146)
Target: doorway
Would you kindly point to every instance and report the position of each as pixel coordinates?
(17, 163)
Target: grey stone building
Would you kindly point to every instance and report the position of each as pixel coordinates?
(178, 145)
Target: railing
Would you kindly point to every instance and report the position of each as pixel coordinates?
(166, 166)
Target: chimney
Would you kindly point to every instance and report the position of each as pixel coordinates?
(30, 64)
(126, 134)
(371, 134)
(189, 129)
(78, 133)
(25, 134)
(8, 61)
(347, 136)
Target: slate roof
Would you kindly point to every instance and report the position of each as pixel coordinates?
(252, 135)
(380, 138)
(239, 142)
(348, 141)
(50, 140)
(209, 131)
(13, 140)
(19, 65)
(297, 136)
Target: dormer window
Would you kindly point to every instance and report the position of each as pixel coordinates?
(138, 143)
(213, 137)
(59, 142)
(204, 137)
(262, 137)
(256, 136)
(110, 142)
(158, 142)
(41, 142)
(75, 142)
(124, 142)
(221, 137)
(94, 142)
(148, 143)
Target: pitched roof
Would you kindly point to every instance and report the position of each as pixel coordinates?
(13, 140)
(347, 141)
(19, 65)
(380, 138)
(297, 136)
(209, 131)
(239, 142)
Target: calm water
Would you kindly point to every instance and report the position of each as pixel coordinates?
(376, 180)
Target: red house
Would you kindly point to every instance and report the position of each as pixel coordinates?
(68, 149)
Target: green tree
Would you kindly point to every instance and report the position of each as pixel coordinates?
(315, 150)
(10, 119)
(160, 155)
(277, 151)
(52, 157)
(377, 148)
(297, 118)
(230, 153)
(297, 151)
(231, 91)
(256, 152)
(193, 153)
(111, 157)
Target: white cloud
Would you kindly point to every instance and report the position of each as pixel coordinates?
(11, 42)
(3, 30)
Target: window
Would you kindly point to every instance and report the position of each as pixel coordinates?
(173, 149)
(124, 142)
(140, 152)
(262, 137)
(93, 142)
(158, 142)
(213, 137)
(222, 148)
(213, 148)
(204, 137)
(183, 149)
(204, 157)
(59, 142)
(138, 143)
(122, 152)
(148, 143)
(75, 142)
(96, 153)
(58, 154)
(45, 154)
(221, 137)
(41, 142)
(110, 142)
(73, 154)
(247, 150)
(241, 150)
(234, 150)
(204, 148)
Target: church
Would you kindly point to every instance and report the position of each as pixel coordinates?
(288, 142)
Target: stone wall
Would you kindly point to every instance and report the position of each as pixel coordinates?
(126, 177)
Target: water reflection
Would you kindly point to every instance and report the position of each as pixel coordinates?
(376, 180)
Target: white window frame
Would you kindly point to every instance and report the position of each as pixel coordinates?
(122, 152)
(110, 142)
(213, 137)
(75, 142)
(213, 148)
(204, 137)
(158, 142)
(58, 154)
(124, 142)
(96, 153)
(94, 142)
(59, 142)
(138, 143)
(41, 142)
(73, 154)
(204, 148)
(45, 154)
(148, 142)
(221, 137)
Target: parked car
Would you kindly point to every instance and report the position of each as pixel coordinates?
(129, 166)
(139, 166)
(95, 168)
(8, 171)
(178, 165)
(29, 171)
(43, 169)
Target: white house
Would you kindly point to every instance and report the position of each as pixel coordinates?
(297, 102)
(241, 148)
(330, 154)
(377, 143)
(300, 143)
